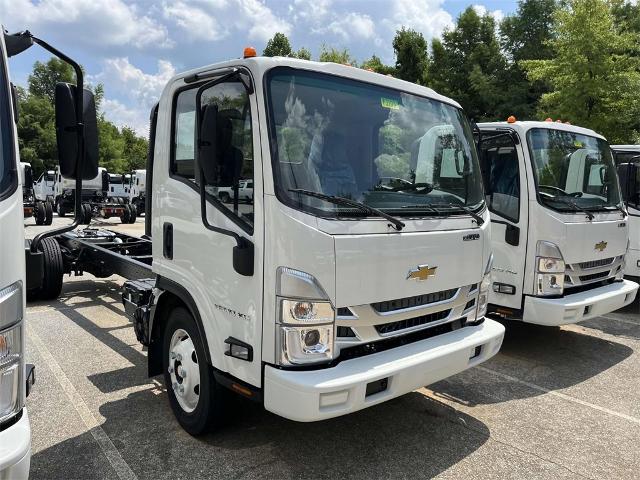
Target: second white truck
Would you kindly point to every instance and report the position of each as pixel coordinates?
(628, 162)
(560, 229)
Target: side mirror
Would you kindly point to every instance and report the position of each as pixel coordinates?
(74, 163)
(105, 181)
(627, 173)
(207, 142)
(28, 176)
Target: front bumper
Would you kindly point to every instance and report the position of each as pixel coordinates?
(307, 396)
(15, 450)
(581, 306)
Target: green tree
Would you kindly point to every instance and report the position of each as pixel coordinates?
(525, 36)
(278, 46)
(376, 65)
(412, 57)
(330, 54)
(134, 151)
(303, 54)
(593, 80)
(42, 82)
(468, 65)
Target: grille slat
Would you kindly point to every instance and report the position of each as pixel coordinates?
(416, 301)
(392, 327)
(596, 263)
(593, 276)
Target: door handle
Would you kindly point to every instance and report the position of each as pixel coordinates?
(167, 240)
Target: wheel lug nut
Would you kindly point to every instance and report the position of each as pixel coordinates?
(175, 385)
(179, 357)
(172, 356)
(170, 369)
(181, 389)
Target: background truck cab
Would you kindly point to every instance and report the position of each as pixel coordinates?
(628, 161)
(560, 230)
(43, 187)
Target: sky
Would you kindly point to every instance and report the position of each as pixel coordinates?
(134, 48)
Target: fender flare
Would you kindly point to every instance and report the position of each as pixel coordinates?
(185, 297)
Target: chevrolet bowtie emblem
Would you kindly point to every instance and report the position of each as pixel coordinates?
(422, 272)
(601, 246)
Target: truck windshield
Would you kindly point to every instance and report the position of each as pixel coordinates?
(573, 172)
(391, 150)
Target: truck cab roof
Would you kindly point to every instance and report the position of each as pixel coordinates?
(629, 148)
(260, 65)
(524, 126)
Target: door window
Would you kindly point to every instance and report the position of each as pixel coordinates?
(501, 173)
(234, 146)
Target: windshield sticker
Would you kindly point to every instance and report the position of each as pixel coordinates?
(390, 103)
(578, 144)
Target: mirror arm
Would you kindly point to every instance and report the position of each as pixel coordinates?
(79, 94)
(203, 211)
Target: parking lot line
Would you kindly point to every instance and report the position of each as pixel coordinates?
(560, 395)
(102, 439)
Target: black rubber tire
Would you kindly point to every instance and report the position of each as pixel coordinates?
(53, 269)
(126, 215)
(39, 213)
(214, 399)
(60, 209)
(224, 197)
(133, 213)
(86, 213)
(48, 210)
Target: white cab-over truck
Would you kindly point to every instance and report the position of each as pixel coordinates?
(330, 290)
(15, 431)
(43, 187)
(560, 232)
(628, 162)
(137, 188)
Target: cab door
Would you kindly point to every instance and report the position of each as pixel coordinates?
(505, 183)
(189, 251)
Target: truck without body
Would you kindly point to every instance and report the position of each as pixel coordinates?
(118, 187)
(628, 161)
(96, 200)
(42, 211)
(137, 187)
(15, 376)
(560, 231)
(43, 188)
(328, 291)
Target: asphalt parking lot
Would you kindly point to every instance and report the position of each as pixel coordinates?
(554, 403)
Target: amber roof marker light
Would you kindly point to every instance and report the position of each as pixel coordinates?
(249, 52)
(511, 119)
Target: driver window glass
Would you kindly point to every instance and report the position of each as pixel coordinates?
(233, 185)
(501, 173)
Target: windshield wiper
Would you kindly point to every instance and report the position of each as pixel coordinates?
(576, 207)
(479, 220)
(414, 186)
(397, 224)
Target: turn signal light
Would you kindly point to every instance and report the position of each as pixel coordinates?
(249, 52)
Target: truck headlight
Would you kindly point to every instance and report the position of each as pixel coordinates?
(483, 295)
(11, 383)
(550, 269)
(306, 319)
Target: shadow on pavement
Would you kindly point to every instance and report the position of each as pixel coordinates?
(552, 358)
(413, 436)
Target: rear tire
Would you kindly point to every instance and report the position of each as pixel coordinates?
(39, 213)
(53, 270)
(86, 213)
(133, 213)
(126, 214)
(197, 400)
(224, 197)
(48, 209)
(60, 210)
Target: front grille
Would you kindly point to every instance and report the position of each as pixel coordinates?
(389, 343)
(392, 327)
(417, 301)
(596, 263)
(593, 276)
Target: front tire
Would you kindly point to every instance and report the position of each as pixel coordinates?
(40, 213)
(197, 400)
(60, 210)
(53, 270)
(126, 214)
